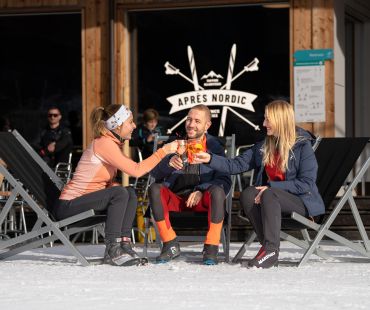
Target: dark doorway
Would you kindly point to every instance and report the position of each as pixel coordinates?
(258, 31)
(40, 61)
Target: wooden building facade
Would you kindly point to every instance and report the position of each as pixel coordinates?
(106, 75)
(108, 50)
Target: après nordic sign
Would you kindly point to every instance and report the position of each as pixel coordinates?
(219, 93)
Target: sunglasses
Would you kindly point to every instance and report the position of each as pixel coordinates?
(53, 115)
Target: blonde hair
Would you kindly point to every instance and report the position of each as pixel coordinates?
(98, 117)
(280, 114)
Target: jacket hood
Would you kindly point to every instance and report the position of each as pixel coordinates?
(304, 135)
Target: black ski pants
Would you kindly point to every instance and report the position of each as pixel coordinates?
(117, 202)
(266, 216)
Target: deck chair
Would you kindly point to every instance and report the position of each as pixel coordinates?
(39, 187)
(196, 220)
(336, 157)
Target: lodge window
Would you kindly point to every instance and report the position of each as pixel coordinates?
(164, 36)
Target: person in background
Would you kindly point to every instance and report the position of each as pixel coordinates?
(55, 141)
(93, 186)
(286, 179)
(196, 188)
(143, 136)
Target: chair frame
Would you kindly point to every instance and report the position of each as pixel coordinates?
(44, 224)
(313, 246)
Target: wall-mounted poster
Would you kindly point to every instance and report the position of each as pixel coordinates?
(309, 84)
(309, 93)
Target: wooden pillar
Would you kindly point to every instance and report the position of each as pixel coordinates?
(122, 68)
(312, 28)
(322, 37)
(95, 61)
(300, 38)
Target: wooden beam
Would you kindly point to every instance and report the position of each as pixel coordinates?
(312, 28)
(323, 37)
(28, 4)
(300, 38)
(122, 67)
(95, 56)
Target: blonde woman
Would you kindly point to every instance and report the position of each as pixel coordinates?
(286, 179)
(93, 187)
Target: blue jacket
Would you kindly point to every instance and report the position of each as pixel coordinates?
(300, 177)
(208, 176)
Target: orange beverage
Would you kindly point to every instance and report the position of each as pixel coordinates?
(193, 147)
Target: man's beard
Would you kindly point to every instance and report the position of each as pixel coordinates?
(197, 135)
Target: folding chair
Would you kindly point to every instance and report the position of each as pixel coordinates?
(250, 174)
(39, 187)
(64, 170)
(181, 220)
(336, 157)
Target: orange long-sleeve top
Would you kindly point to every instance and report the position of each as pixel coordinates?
(99, 164)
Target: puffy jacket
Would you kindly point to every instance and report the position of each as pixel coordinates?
(208, 176)
(300, 177)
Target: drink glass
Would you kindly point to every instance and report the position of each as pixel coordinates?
(181, 150)
(193, 146)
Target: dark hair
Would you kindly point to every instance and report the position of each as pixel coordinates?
(150, 114)
(54, 107)
(98, 117)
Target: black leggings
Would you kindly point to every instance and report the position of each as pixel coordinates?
(117, 202)
(266, 217)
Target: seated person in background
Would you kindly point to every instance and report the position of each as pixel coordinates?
(191, 188)
(286, 170)
(143, 136)
(55, 141)
(92, 184)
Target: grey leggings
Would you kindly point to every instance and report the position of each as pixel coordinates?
(117, 202)
(266, 217)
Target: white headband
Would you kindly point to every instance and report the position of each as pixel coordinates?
(118, 118)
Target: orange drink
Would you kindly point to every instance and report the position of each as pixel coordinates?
(193, 146)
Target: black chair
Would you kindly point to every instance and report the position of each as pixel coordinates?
(39, 187)
(336, 157)
(197, 221)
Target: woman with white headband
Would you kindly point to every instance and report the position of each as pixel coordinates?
(92, 184)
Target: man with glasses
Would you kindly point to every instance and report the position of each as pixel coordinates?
(55, 141)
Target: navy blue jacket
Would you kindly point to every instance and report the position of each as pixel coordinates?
(300, 177)
(208, 176)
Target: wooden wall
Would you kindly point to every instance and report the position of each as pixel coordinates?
(311, 28)
(95, 60)
(312, 23)
(95, 46)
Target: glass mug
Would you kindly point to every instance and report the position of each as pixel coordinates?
(194, 146)
(181, 150)
(181, 147)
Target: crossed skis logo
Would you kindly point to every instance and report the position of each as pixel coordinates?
(223, 96)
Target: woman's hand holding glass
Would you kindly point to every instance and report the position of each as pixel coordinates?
(201, 158)
(171, 147)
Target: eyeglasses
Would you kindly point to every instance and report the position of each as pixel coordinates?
(53, 115)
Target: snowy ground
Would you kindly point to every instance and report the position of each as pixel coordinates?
(49, 278)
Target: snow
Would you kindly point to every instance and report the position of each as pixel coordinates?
(50, 278)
